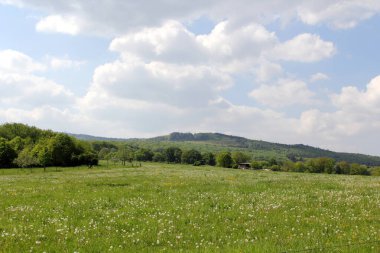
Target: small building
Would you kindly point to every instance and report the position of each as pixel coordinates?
(244, 166)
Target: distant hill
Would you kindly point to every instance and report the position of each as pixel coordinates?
(216, 142)
(86, 137)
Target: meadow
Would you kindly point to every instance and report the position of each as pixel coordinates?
(182, 208)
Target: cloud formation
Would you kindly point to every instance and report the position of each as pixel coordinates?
(12, 61)
(167, 78)
(114, 17)
(284, 93)
(20, 87)
(304, 48)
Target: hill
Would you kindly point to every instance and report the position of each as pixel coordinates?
(258, 149)
(86, 137)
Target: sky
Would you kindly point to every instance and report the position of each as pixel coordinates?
(299, 71)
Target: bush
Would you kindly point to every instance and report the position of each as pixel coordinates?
(256, 165)
(224, 159)
(173, 155)
(209, 159)
(159, 157)
(357, 169)
(197, 163)
(7, 154)
(342, 167)
(299, 167)
(275, 168)
(240, 157)
(191, 157)
(375, 171)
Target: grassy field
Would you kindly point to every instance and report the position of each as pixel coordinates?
(160, 207)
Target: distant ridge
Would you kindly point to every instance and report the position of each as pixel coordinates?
(259, 149)
(87, 137)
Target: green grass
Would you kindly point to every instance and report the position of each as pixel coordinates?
(160, 207)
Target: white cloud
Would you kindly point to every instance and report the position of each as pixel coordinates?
(152, 68)
(25, 91)
(226, 47)
(228, 41)
(181, 85)
(60, 24)
(285, 93)
(363, 102)
(318, 77)
(114, 17)
(338, 14)
(102, 111)
(304, 48)
(12, 61)
(267, 71)
(21, 88)
(353, 126)
(155, 80)
(164, 43)
(170, 79)
(57, 63)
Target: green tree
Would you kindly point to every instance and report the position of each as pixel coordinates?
(272, 161)
(328, 164)
(288, 166)
(173, 155)
(17, 144)
(320, 164)
(7, 154)
(357, 169)
(26, 158)
(209, 158)
(299, 167)
(44, 157)
(191, 156)
(224, 159)
(103, 153)
(240, 157)
(159, 157)
(89, 158)
(144, 155)
(62, 149)
(125, 153)
(342, 167)
(256, 165)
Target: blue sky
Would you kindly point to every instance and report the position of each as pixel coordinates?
(290, 72)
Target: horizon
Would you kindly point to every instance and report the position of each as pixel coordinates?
(303, 72)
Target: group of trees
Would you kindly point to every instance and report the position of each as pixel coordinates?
(225, 159)
(129, 153)
(25, 146)
(313, 165)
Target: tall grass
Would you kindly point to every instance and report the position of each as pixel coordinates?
(172, 208)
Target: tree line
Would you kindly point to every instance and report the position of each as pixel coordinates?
(24, 146)
(129, 153)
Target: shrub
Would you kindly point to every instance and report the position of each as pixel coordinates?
(191, 157)
(159, 157)
(375, 171)
(224, 159)
(197, 163)
(275, 168)
(357, 169)
(256, 165)
(209, 159)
